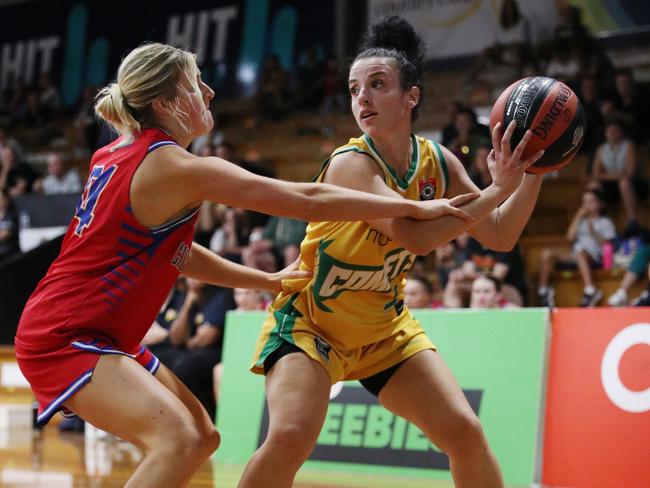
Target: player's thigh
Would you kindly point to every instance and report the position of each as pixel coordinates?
(424, 392)
(125, 399)
(200, 416)
(297, 390)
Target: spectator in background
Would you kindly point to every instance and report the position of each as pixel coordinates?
(470, 135)
(614, 171)
(635, 271)
(448, 258)
(633, 106)
(7, 141)
(589, 230)
(58, 180)
(505, 266)
(8, 226)
(16, 177)
(591, 103)
(193, 346)
(479, 171)
(232, 234)
(418, 292)
(449, 131)
(486, 293)
(278, 246)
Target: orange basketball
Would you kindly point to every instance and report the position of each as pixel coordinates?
(551, 111)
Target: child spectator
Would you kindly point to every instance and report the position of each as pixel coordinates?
(418, 292)
(589, 229)
(486, 293)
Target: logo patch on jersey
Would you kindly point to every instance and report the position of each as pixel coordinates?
(180, 258)
(323, 347)
(335, 277)
(427, 188)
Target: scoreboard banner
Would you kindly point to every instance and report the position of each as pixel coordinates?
(498, 357)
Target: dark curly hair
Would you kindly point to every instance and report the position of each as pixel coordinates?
(395, 38)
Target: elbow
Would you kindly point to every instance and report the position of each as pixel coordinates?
(503, 244)
(418, 248)
(506, 245)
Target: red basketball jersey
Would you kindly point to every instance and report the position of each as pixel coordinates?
(112, 274)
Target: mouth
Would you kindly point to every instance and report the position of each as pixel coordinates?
(367, 115)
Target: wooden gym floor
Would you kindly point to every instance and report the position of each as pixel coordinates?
(53, 459)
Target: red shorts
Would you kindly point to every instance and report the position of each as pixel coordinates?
(56, 375)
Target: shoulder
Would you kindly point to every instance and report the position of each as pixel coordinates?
(352, 161)
(170, 157)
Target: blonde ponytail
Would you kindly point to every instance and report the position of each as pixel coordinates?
(111, 107)
(149, 72)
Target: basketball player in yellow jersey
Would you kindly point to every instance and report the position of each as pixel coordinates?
(348, 320)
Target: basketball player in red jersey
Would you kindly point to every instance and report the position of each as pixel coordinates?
(78, 338)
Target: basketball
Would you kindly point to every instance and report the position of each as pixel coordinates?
(551, 111)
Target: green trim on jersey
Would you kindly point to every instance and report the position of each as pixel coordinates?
(353, 149)
(415, 160)
(443, 163)
(285, 319)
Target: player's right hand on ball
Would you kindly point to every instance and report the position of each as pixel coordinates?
(506, 166)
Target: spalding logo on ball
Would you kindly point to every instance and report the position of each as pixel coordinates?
(551, 111)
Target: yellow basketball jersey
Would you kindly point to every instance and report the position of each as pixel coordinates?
(355, 294)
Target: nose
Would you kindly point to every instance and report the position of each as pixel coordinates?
(362, 98)
(207, 91)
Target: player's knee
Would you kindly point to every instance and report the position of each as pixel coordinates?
(189, 443)
(292, 441)
(210, 441)
(467, 438)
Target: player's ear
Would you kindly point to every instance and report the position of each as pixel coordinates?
(413, 97)
(161, 106)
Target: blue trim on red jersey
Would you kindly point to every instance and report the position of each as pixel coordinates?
(158, 144)
(111, 303)
(125, 278)
(111, 282)
(132, 244)
(169, 226)
(89, 346)
(127, 267)
(153, 365)
(135, 231)
(55, 405)
(112, 295)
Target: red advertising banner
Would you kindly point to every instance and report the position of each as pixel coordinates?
(597, 432)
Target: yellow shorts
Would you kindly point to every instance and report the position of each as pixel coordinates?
(341, 364)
